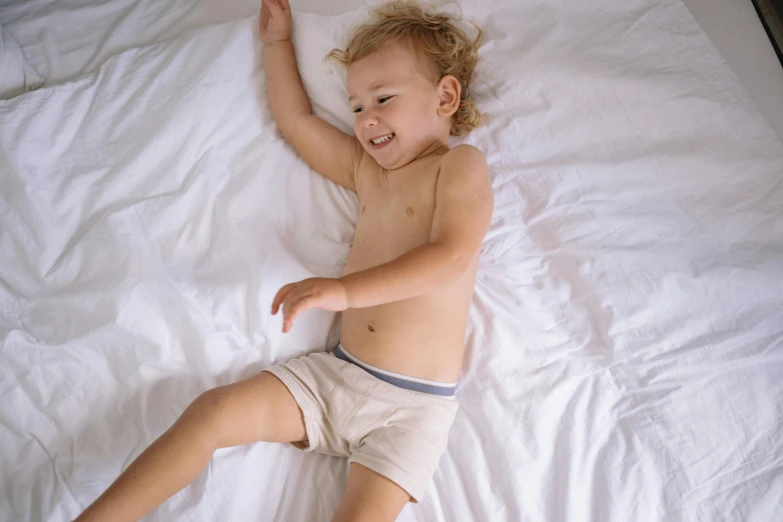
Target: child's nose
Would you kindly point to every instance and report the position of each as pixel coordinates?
(370, 119)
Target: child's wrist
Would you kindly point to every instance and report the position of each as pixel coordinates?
(272, 43)
(344, 284)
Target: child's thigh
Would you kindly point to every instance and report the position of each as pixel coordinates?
(370, 497)
(259, 408)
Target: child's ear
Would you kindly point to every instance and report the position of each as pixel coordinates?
(449, 92)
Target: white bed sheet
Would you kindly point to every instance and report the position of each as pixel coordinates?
(63, 39)
(624, 354)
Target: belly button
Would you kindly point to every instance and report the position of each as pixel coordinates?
(364, 207)
(409, 211)
(370, 328)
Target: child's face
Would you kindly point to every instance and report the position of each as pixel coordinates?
(394, 100)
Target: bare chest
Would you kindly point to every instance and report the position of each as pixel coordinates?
(395, 214)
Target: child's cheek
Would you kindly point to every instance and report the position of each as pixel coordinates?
(425, 107)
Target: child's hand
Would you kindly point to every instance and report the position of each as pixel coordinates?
(275, 20)
(317, 292)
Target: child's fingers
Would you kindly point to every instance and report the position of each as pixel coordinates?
(287, 305)
(280, 297)
(274, 7)
(284, 5)
(276, 301)
(293, 307)
(303, 304)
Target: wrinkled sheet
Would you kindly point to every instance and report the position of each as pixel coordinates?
(58, 40)
(624, 356)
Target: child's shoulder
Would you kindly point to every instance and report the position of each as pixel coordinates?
(464, 158)
(464, 152)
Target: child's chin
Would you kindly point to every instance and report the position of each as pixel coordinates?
(388, 165)
(385, 160)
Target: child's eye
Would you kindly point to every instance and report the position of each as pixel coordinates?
(358, 110)
(384, 99)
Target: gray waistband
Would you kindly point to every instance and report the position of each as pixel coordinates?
(401, 381)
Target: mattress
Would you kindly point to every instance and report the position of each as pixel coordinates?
(624, 353)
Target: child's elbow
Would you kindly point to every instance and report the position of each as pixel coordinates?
(458, 264)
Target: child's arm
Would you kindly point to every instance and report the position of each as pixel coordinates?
(325, 148)
(463, 208)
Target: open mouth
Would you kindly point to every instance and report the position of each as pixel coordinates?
(382, 141)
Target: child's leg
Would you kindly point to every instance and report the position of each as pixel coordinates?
(370, 497)
(257, 409)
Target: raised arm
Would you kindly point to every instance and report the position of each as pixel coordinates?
(328, 150)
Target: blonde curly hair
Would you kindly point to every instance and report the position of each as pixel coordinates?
(436, 37)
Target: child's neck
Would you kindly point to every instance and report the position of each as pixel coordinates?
(437, 146)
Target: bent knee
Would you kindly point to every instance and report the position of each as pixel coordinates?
(212, 413)
(256, 409)
(209, 403)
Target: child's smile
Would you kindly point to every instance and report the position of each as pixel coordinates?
(380, 142)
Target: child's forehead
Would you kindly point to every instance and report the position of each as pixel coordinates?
(394, 62)
(389, 55)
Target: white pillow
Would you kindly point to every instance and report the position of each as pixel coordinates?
(314, 36)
